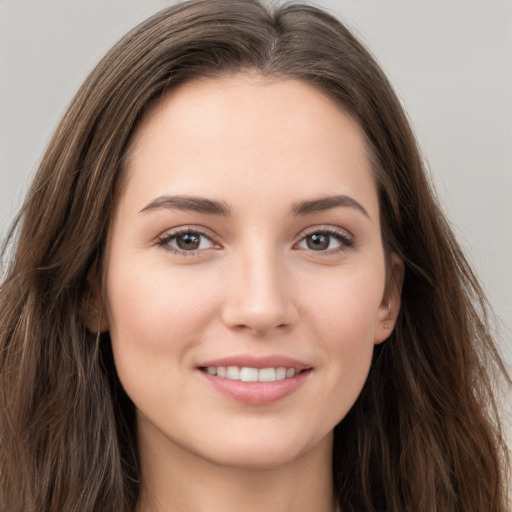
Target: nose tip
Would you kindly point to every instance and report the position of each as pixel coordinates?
(259, 300)
(256, 319)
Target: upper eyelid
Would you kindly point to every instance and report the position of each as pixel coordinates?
(164, 241)
(325, 228)
(169, 233)
(203, 230)
(345, 238)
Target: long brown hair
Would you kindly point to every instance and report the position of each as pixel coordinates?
(424, 434)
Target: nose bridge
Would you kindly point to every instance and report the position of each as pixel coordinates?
(258, 293)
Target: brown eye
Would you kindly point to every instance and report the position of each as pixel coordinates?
(326, 241)
(318, 241)
(188, 241)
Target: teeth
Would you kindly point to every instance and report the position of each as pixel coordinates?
(233, 372)
(247, 374)
(267, 375)
(280, 373)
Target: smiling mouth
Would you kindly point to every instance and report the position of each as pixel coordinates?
(248, 374)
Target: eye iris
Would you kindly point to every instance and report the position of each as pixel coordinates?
(188, 241)
(318, 241)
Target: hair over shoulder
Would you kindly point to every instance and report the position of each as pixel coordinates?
(423, 436)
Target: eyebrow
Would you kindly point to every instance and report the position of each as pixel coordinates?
(212, 207)
(189, 203)
(327, 203)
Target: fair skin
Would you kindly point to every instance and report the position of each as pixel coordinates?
(265, 274)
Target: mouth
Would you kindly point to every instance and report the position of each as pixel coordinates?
(251, 374)
(255, 381)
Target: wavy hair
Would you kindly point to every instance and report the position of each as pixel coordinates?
(423, 436)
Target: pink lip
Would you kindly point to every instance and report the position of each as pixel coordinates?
(256, 393)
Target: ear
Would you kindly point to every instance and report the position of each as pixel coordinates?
(93, 311)
(390, 305)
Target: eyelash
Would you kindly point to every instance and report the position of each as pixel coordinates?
(346, 241)
(165, 240)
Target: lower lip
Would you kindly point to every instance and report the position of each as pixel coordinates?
(256, 393)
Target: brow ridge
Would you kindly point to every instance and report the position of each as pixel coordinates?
(188, 203)
(213, 207)
(326, 203)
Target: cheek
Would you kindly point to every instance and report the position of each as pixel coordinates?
(156, 319)
(347, 308)
(345, 315)
(152, 309)
(149, 298)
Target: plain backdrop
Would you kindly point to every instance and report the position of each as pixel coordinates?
(450, 62)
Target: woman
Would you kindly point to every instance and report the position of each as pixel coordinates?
(231, 287)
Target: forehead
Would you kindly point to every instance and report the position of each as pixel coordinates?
(245, 100)
(245, 133)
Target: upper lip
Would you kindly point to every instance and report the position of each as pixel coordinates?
(249, 361)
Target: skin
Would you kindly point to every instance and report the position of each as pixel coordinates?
(258, 146)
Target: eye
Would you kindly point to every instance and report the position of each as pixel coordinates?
(325, 241)
(186, 241)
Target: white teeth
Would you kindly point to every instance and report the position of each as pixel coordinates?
(280, 373)
(267, 375)
(233, 372)
(247, 374)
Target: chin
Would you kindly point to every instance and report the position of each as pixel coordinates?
(260, 451)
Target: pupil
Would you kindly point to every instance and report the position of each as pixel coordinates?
(188, 241)
(318, 242)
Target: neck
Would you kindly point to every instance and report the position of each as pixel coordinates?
(175, 480)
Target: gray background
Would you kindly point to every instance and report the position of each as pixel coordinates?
(450, 62)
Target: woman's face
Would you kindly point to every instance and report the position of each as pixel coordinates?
(245, 275)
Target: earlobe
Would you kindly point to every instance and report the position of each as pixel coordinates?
(390, 305)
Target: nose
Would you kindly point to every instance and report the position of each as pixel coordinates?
(259, 295)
